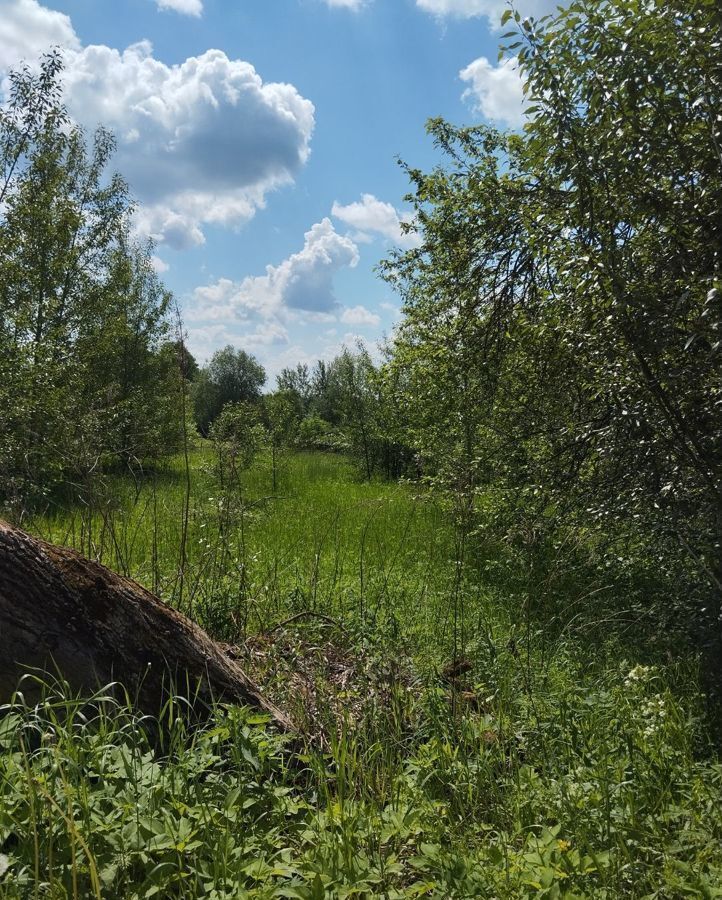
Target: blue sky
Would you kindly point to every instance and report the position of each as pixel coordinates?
(260, 141)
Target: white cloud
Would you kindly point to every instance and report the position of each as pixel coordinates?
(203, 341)
(492, 9)
(359, 315)
(159, 264)
(181, 232)
(200, 142)
(28, 29)
(495, 91)
(304, 280)
(300, 284)
(185, 7)
(345, 4)
(268, 334)
(463, 9)
(373, 215)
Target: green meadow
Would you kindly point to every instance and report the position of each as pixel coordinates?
(469, 728)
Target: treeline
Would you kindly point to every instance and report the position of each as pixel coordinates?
(338, 406)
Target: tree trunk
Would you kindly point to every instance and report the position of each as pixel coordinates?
(64, 614)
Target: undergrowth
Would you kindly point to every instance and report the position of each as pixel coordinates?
(501, 728)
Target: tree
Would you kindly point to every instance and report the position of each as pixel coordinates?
(358, 403)
(298, 381)
(82, 312)
(563, 314)
(281, 415)
(33, 103)
(325, 392)
(231, 376)
(177, 351)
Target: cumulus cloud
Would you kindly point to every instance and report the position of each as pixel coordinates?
(203, 141)
(28, 29)
(185, 7)
(160, 265)
(200, 142)
(390, 307)
(373, 215)
(495, 91)
(254, 313)
(359, 315)
(301, 283)
(304, 281)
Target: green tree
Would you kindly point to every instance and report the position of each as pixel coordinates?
(281, 415)
(297, 380)
(231, 376)
(563, 314)
(177, 351)
(82, 312)
(325, 402)
(358, 404)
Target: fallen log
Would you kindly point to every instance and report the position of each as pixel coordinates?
(64, 614)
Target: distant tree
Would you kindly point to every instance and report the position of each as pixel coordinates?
(325, 392)
(281, 415)
(358, 403)
(297, 380)
(231, 376)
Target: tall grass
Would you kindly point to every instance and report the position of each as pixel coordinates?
(374, 554)
(568, 757)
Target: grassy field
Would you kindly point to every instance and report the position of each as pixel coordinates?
(375, 554)
(567, 756)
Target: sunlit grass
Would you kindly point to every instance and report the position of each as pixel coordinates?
(376, 554)
(572, 759)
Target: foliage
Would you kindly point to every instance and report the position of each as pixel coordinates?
(232, 376)
(597, 794)
(281, 413)
(349, 410)
(238, 435)
(177, 351)
(541, 730)
(82, 381)
(315, 433)
(573, 759)
(298, 382)
(562, 315)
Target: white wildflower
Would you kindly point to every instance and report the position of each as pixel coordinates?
(638, 675)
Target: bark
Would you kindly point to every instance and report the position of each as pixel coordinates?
(67, 615)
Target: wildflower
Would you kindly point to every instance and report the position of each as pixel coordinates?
(637, 675)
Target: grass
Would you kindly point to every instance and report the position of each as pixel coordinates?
(326, 541)
(572, 759)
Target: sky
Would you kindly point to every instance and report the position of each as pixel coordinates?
(261, 142)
